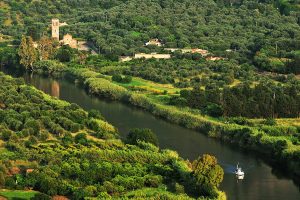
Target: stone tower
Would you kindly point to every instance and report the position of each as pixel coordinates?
(55, 28)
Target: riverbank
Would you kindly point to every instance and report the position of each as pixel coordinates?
(189, 143)
(275, 142)
(279, 149)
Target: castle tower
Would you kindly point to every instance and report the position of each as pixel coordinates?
(55, 28)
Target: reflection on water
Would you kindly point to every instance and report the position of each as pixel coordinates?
(259, 183)
(55, 89)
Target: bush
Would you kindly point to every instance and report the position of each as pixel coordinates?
(214, 110)
(270, 122)
(118, 78)
(81, 138)
(41, 196)
(178, 101)
(145, 135)
(127, 79)
(95, 114)
(179, 189)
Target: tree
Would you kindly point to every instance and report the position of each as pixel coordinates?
(82, 56)
(27, 52)
(81, 138)
(65, 54)
(208, 173)
(117, 78)
(145, 135)
(214, 110)
(95, 114)
(45, 48)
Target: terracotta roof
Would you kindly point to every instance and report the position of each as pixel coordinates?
(14, 171)
(29, 171)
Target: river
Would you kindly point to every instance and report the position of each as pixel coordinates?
(260, 182)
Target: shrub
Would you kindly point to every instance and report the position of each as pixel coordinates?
(127, 79)
(68, 139)
(81, 138)
(103, 87)
(145, 135)
(214, 110)
(117, 78)
(41, 196)
(179, 189)
(95, 114)
(270, 122)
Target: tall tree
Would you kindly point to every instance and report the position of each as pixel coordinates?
(208, 173)
(45, 48)
(27, 52)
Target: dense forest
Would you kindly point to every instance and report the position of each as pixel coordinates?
(121, 27)
(57, 148)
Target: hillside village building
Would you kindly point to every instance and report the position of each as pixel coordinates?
(67, 39)
(152, 55)
(55, 29)
(214, 58)
(154, 42)
(203, 52)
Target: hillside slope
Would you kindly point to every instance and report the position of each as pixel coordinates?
(122, 27)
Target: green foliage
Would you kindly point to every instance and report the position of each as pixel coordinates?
(41, 196)
(18, 194)
(103, 87)
(91, 162)
(64, 54)
(270, 122)
(207, 173)
(145, 135)
(9, 56)
(243, 26)
(81, 138)
(95, 114)
(214, 110)
(49, 67)
(118, 78)
(27, 52)
(264, 100)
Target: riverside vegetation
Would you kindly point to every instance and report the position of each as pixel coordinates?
(57, 148)
(277, 138)
(251, 97)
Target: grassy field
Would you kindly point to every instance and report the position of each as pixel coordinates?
(281, 121)
(17, 194)
(145, 85)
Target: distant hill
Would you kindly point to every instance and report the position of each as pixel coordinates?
(122, 27)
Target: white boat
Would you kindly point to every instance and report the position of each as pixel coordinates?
(239, 172)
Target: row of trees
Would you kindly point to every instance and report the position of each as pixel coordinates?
(263, 100)
(32, 54)
(59, 142)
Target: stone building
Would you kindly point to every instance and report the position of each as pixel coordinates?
(155, 42)
(68, 40)
(203, 52)
(152, 55)
(55, 29)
